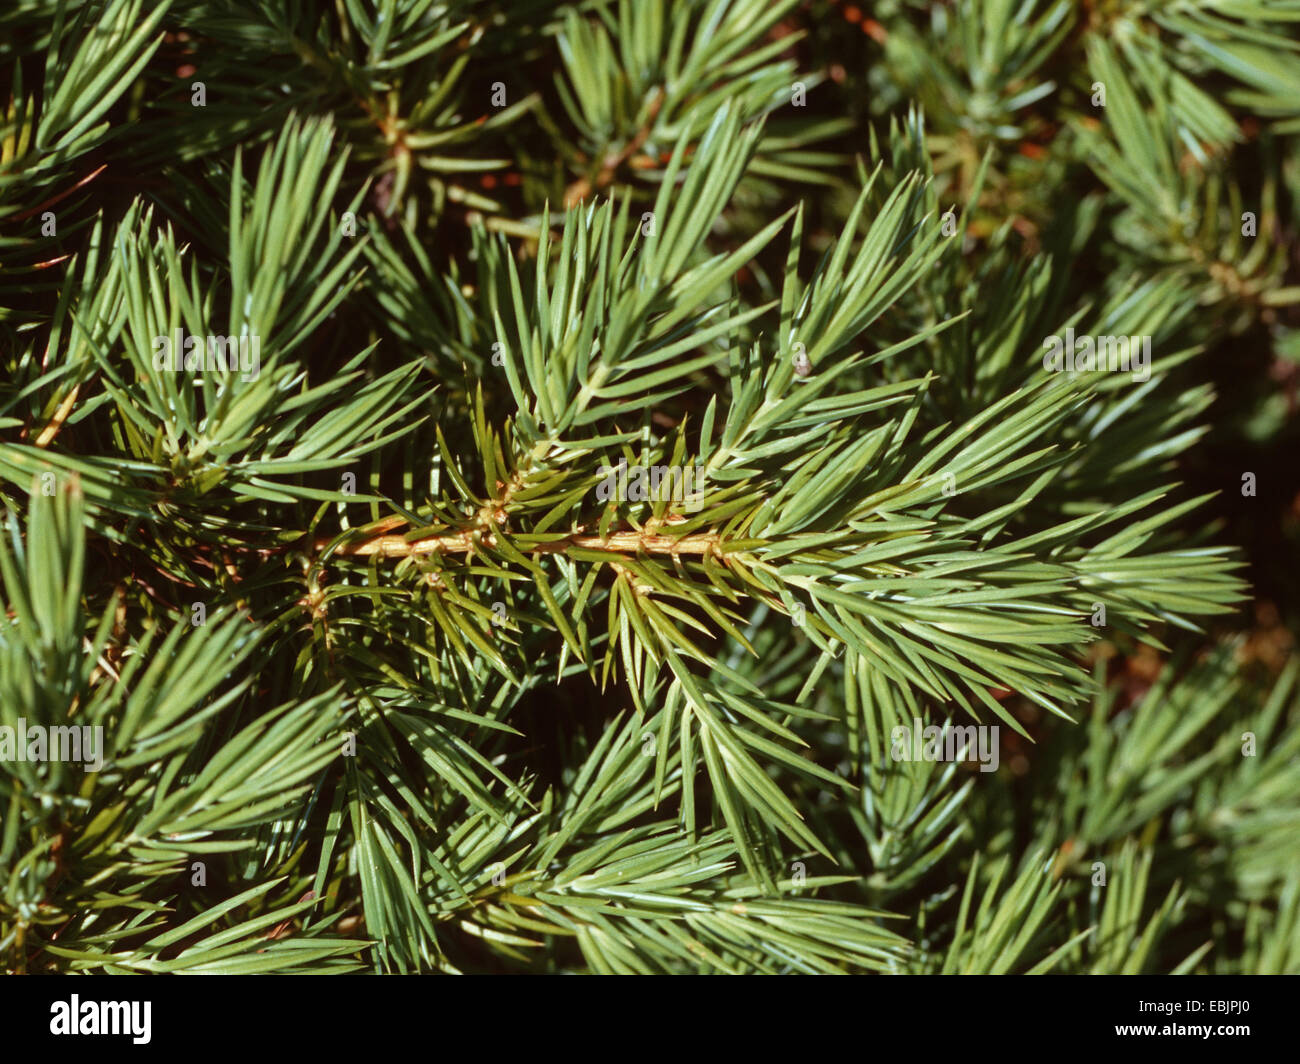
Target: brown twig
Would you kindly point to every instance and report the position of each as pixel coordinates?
(582, 188)
(59, 196)
(51, 430)
(626, 542)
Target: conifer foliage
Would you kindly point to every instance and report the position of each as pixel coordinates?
(534, 487)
